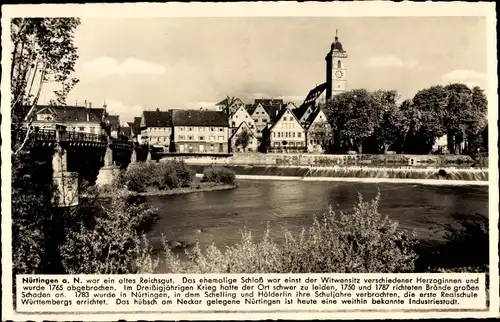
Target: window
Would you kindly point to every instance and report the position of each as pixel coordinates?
(181, 137)
(246, 116)
(264, 120)
(181, 129)
(234, 124)
(82, 128)
(212, 138)
(221, 138)
(258, 131)
(190, 137)
(299, 135)
(256, 120)
(190, 129)
(212, 129)
(211, 147)
(190, 148)
(339, 64)
(181, 147)
(236, 116)
(274, 134)
(284, 118)
(221, 129)
(293, 134)
(202, 138)
(202, 148)
(164, 139)
(202, 129)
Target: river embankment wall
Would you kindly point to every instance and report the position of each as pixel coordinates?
(328, 160)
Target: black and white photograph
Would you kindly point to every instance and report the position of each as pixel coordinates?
(248, 144)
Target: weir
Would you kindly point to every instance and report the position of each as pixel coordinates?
(434, 174)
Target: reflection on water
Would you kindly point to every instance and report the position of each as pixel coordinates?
(218, 216)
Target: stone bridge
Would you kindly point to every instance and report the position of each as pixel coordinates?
(78, 156)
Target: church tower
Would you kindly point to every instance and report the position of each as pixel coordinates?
(336, 71)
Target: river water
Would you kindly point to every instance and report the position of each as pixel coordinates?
(218, 216)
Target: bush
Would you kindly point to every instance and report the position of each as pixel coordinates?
(108, 239)
(219, 175)
(361, 241)
(466, 244)
(141, 176)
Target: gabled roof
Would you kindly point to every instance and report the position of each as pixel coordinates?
(280, 115)
(310, 119)
(231, 114)
(243, 124)
(157, 118)
(314, 94)
(199, 118)
(250, 108)
(269, 102)
(73, 113)
(137, 125)
(127, 131)
(300, 111)
(114, 121)
(273, 111)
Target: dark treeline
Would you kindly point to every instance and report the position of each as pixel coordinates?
(374, 122)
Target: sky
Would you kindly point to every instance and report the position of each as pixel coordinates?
(136, 64)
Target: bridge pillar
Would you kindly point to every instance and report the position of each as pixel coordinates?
(133, 157)
(109, 171)
(65, 183)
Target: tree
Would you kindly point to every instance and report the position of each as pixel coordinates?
(430, 105)
(322, 132)
(353, 116)
(458, 110)
(477, 121)
(43, 51)
(243, 139)
(390, 123)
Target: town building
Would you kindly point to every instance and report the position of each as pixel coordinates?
(286, 134)
(243, 139)
(318, 132)
(229, 105)
(156, 129)
(239, 116)
(200, 131)
(263, 116)
(71, 118)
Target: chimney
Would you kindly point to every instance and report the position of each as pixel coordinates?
(85, 103)
(90, 104)
(157, 109)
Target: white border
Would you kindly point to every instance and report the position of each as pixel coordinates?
(283, 9)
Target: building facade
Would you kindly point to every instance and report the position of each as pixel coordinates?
(244, 135)
(71, 118)
(200, 132)
(156, 129)
(238, 117)
(286, 134)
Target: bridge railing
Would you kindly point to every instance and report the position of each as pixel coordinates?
(82, 136)
(44, 135)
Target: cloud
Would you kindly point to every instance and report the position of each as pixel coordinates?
(468, 77)
(126, 112)
(110, 66)
(390, 61)
(463, 75)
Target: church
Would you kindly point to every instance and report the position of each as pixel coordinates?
(335, 83)
(336, 80)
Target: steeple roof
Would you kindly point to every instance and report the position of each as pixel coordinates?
(337, 45)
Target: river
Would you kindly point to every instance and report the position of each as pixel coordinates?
(218, 216)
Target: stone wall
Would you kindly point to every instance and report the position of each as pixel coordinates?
(337, 160)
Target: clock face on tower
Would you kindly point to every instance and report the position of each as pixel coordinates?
(339, 74)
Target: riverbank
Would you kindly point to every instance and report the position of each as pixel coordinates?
(439, 176)
(200, 187)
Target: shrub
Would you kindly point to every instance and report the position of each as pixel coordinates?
(219, 175)
(108, 239)
(466, 244)
(361, 241)
(141, 176)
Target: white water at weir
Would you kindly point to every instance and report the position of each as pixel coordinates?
(435, 182)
